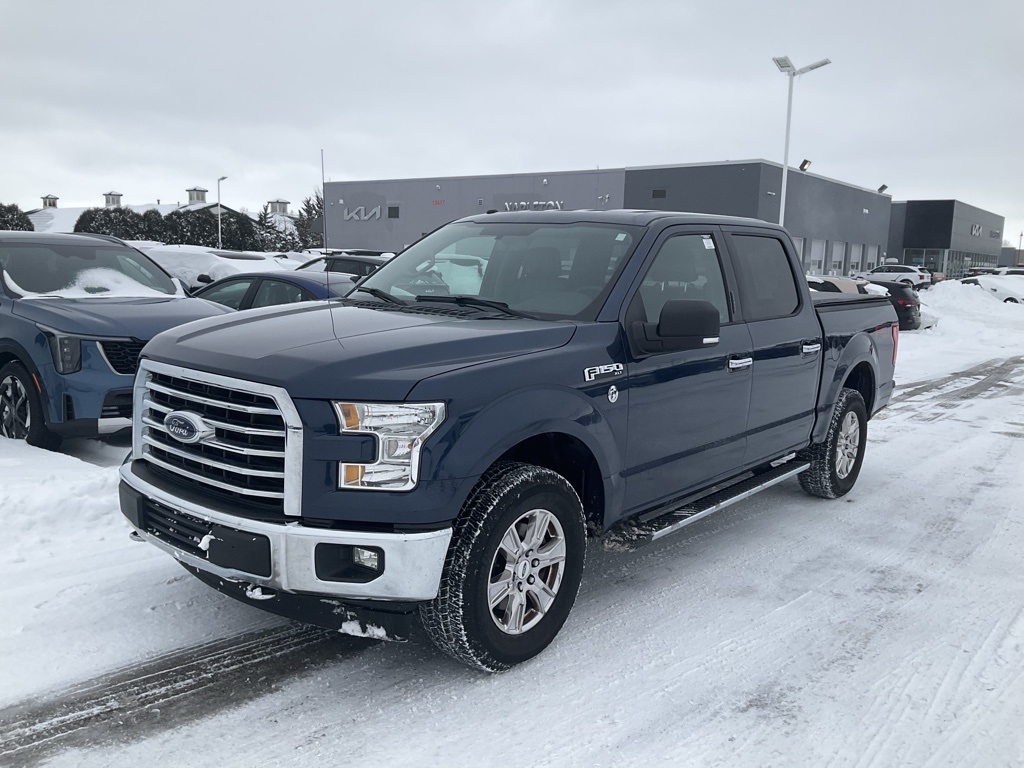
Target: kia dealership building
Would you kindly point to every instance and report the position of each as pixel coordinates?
(837, 227)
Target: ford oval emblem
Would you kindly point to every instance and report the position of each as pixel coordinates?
(187, 427)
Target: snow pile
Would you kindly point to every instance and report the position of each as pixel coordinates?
(187, 262)
(47, 495)
(92, 284)
(973, 327)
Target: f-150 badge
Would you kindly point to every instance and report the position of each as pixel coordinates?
(602, 371)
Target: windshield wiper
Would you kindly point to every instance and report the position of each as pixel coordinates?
(382, 295)
(475, 301)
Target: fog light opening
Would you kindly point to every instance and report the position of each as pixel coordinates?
(367, 558)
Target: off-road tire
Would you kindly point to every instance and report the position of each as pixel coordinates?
(14, 377)
(827, 476)
(459, 620)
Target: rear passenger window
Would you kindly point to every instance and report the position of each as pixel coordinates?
(766, 283)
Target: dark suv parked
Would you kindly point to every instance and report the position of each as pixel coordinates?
(75, 312)
(907, 303)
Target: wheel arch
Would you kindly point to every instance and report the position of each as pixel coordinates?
(12, 352)
(571, 458)
(862, 379)
(556, 428)
(857, 369)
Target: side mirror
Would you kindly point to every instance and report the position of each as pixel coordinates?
(682, 325)
(204, 279)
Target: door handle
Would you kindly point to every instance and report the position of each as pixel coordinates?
(738, 363)
(810, 349)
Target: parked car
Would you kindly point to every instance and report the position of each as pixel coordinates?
(405, 455)
(75, 312)
(1007, 288)
(197, 266)
(255, 290)
(897, 273)
(830, 284)
(975, 271)
(359, 263)
(907, 303)
(1003, 271)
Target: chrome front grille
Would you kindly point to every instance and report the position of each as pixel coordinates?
(252, 456)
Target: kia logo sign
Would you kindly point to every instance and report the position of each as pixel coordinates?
(187, 427)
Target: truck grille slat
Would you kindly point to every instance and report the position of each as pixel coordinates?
(245, 459)
(164, 408)
(219, 444)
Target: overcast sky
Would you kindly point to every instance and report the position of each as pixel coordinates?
(149, 99)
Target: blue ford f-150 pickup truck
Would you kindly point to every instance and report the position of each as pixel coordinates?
(442, 442)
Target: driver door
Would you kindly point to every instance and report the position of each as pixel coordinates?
(687, 409)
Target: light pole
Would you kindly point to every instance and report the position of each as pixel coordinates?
(218, 209)
(786, 67)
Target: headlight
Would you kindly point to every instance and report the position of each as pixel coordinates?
(66, 350)
(400, 429)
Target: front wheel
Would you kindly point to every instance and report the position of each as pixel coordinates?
(21, 411)
(513, 569)
(835, 463)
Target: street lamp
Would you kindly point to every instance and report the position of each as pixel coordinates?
(786, 67)
(218, 210)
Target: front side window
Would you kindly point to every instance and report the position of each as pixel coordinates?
(229, 293)
(82, 271)
(543, 270)
(766, 282)
(687, 268)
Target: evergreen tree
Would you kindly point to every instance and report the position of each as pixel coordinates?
(190, 228)
(12, 217)
(152, 225)
(118, 222)
(310, 226)
(267, 229)
(276, 231)
(239, 232)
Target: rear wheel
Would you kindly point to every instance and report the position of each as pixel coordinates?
(21, 411)
(1010, 300)
(513, 569)
(835, 463)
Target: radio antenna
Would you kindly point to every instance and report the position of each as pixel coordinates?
(323, 197)
(327, 261)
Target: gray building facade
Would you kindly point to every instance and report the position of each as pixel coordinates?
(945, 236)
(837, 227)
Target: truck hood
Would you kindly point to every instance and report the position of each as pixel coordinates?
(327, 351)
(138, 318)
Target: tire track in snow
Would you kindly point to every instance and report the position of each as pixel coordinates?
(935, 684)
(945, 539)
(167, 691)
(990, 379)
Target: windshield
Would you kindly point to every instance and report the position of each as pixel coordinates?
(560, 271)
(82, 271)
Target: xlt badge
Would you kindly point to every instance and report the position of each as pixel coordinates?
(602, 371)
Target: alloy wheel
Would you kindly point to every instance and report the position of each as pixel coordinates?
(15, 416)
(526, 572)
(848, 445)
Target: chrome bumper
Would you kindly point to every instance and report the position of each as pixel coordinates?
(412, 561)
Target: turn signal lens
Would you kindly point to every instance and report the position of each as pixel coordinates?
(400, 429)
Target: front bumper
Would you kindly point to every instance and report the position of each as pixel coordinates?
(282, 556)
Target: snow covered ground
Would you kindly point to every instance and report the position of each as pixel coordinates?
(882, 629)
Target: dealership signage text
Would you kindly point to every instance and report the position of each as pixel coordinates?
(536, 205)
